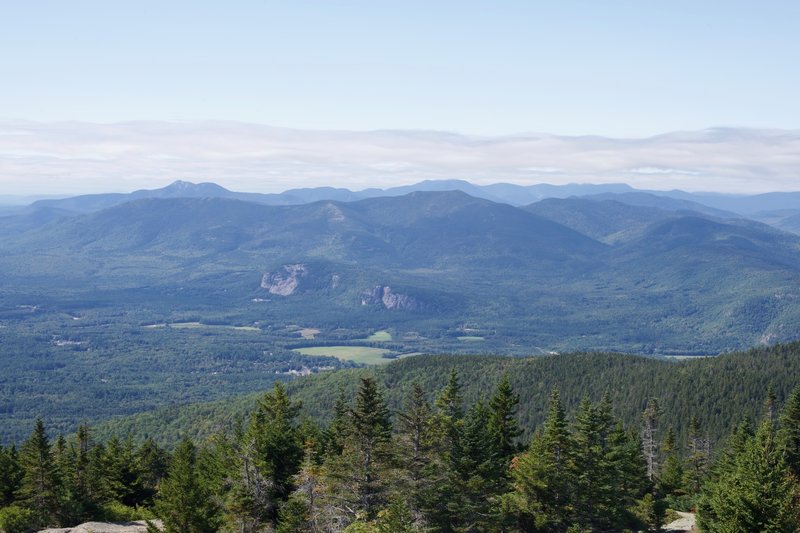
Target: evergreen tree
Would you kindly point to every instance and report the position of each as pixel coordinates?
(789, 434)
(450, 411)
(697, 460)
(371, 433)
(590, 474)
(542, 476)
(123, 473)
(278, 444)
(11, 474)
(476, 474)
(670, 479)
(40, 487)
(755, 492)
(503, 423)
(649, 438)
(184, 504)
(335, 434)
(262, 460)
(359, 478)
(416, 444)
(153, 463)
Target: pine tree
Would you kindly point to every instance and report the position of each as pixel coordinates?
(40, 486)
(184, 504)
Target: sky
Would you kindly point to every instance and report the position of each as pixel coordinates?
(620, 69)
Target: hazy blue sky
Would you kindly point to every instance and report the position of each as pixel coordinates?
(619, 68)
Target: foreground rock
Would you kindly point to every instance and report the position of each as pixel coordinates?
(685, 523)
(139, 526)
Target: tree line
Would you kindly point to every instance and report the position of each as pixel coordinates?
(429, 466)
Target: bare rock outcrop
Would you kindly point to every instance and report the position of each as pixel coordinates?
(383, 295)
(139, 526)
(284, 281)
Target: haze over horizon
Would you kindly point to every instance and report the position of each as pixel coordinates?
(71, 158)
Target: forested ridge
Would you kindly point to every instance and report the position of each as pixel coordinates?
(432, 466)
(719, 391)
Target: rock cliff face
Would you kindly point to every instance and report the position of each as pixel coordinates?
(380, 295)
(284, 282)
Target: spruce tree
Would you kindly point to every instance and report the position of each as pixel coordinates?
(697, 460)
(11, 474)
(503, 423)
(755, 492)
(670, 478)
(416, 444)
(184, 503)
(789, 434)
(40, 487)
(277, 440)
(371, 433)
(542, 476)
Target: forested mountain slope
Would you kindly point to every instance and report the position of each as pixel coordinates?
(720, 391)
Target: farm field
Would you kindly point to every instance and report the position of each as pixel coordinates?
(358, 354)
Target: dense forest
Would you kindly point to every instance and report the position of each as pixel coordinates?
(431, 466)
(719, 391)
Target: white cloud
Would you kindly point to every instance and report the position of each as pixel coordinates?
(665, 171)
(72, 158)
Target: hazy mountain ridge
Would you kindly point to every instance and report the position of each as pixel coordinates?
(582, 270)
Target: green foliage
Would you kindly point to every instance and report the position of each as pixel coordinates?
(16, 519)
(183, 503)
(81, 296)
(40, 488)
(753, 492)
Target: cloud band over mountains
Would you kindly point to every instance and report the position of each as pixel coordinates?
(77, 157)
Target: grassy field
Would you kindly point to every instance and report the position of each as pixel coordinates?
(199, 325)
(379, 336)
(357, 354)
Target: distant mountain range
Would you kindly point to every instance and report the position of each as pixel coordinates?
(614, 268)
(498, 192)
